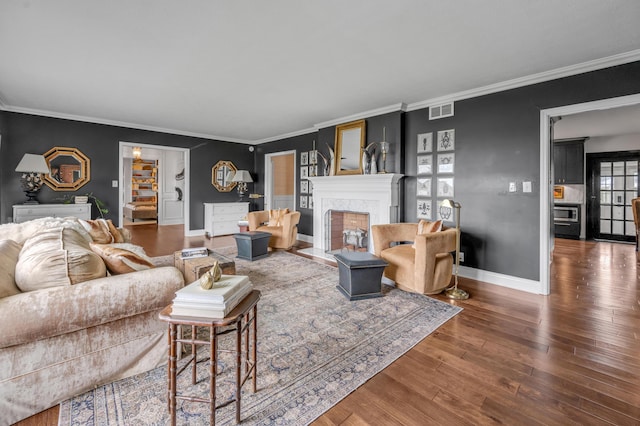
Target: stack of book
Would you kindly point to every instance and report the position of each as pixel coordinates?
(194, 301)
(190, 253)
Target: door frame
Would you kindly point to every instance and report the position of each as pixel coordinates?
(186, 193)
(546, 182)
(268, 177)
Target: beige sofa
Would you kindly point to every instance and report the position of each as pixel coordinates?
(61, 341)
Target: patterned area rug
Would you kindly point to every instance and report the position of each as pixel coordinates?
(314, 348)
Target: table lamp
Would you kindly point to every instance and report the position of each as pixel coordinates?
(32, 166)
(454, 292)
(242, 177)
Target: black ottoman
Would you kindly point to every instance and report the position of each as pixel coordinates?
(360, 274)
(252, 245)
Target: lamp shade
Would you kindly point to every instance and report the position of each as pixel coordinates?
(242, 176)
(450, 204)
(33, 163)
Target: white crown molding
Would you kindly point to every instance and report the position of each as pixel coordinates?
(285, 136)
(82, 118)
(596, 64)
(359, 116)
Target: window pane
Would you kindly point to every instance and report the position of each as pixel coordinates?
(628, 213)
(605, 169)
(605, 182)
(617, 227)
(618, 168)
(618, 212)
(618, 183)
(605, 226)
(630, 196)
(630, 228)
(605, 212)
(631, 182)
(618, 197)
(632, 168)
(605, 197)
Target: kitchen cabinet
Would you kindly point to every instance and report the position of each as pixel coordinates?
(568, 161)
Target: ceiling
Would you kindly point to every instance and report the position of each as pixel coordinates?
(599, 123)
(251, 71)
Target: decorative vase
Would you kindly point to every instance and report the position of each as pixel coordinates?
(366, 162)
(332, 161)
(374, 165)
(211, 276)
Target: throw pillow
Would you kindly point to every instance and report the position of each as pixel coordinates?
(9, 252)
(123, 258)
(426, 227)
(57, 257)
(102, 231)
(275, 216)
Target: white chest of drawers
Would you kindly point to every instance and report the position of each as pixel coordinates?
(25, 212)
(222, 218)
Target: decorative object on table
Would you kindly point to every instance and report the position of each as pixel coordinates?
(101, 206)
(446, 140)
(425, 164)
(374, 164)
(241, 178)
(32, 167)
(446, 162)
(81, 199)
(190, 253)
(455, 292)
(425, 143)
(445, 187)
(367, 157)
(70, 169)
(209, 278)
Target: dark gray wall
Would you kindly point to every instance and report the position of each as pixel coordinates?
(497, 142)
(23, 133)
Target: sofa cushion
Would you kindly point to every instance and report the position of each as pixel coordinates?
(123, 258)
(102, 231)
(21, 232)
(57, 257)
(9, 253)
(275, 216)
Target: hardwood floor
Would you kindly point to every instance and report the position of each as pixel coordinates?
(508, 358)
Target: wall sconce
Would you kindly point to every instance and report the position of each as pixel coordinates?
(137, 152)
(32, 166)
(454, 292)
(242, 177)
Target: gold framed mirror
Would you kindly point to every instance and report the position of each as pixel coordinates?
(350, 138)
(69, 169)
(221, 176)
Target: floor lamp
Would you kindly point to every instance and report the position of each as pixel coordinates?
(455, 292)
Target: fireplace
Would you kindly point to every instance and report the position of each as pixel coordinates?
(346, 230)
(375, 195)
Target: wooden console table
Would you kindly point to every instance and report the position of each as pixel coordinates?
(244, 318)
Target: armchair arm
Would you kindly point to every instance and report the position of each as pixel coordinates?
(384, 235)
(256, 219)
(427, 247)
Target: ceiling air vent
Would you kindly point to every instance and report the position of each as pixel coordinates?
(441, 111)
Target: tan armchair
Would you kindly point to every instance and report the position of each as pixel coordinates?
(283, 236)
(425, 269)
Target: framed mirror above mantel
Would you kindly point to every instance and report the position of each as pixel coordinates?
(350, 138)
(69, 169)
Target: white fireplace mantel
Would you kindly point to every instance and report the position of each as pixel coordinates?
(376, 194)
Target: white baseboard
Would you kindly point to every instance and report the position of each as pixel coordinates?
(516, 283)
(194, 232)
(305, 238)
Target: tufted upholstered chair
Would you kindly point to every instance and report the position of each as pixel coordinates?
(425, 269)
(284, 235)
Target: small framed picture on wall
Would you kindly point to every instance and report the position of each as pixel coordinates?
(425, 164)
(304, 186)
(445, 187)
(304, 158)
(425, 143)
(424, 209)
(445, 214)
(446, 162)
(423, 188)
(310, 202)
(446, 140)
(303, 201)
(304, 172)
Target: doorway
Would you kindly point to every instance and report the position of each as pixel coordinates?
(546, 176)
(170, 184)
(280, 180)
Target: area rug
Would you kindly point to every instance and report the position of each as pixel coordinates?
(314, 348)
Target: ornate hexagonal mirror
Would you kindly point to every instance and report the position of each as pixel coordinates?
(69, 169)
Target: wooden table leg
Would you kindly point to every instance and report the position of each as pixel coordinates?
(238, 367)
(213, 361)
(254, 350)
(172, 373)
(194, 352)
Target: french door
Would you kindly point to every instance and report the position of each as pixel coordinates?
(612, 184)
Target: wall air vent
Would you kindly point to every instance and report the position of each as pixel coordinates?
(441, 111)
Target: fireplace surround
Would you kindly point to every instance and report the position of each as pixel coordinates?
(378, 195)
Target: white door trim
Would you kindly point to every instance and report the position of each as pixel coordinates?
(186, 194)
(268, 177)
(545, 174)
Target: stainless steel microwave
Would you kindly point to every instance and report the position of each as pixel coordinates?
(565, 213)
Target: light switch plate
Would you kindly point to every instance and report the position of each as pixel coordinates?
(526, 186)
(114, 183)
(512, 187)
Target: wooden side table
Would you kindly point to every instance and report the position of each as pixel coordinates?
(244, 318)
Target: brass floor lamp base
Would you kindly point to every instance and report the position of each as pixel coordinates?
(456, 293)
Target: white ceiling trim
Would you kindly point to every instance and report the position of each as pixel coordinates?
(568, 71)
(86, 119)
(359, 116)
(286, 136)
